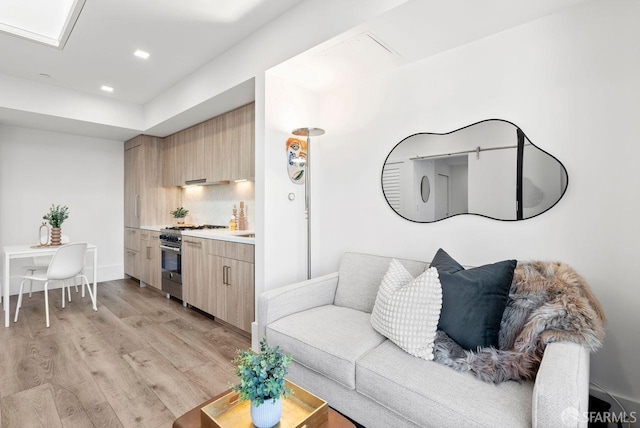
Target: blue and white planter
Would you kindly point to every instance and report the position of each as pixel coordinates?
(267, 414)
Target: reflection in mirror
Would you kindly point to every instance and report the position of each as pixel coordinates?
(425, 188)
(489, 168)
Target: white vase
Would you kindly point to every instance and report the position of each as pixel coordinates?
(267, 414)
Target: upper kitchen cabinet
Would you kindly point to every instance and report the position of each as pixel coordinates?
(217, 150)
(238, 146)
(172, 155)
(145, 201)
(132, 186)
(193, 159)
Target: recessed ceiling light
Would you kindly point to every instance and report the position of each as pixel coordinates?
(107, 88)
(141, 54)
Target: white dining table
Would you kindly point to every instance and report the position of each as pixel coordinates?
(25, 251)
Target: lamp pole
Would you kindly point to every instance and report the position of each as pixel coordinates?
(308, 132)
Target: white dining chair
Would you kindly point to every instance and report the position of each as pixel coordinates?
(41, 264)
(67, 263)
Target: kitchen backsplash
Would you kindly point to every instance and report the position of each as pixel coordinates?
(214, 204)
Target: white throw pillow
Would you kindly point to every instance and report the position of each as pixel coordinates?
(407, 310)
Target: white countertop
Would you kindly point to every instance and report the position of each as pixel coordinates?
(221, 234)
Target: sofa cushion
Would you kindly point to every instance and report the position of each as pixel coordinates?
(360, 277)
(407, 309)
(473, 300)
(328, 339)
(430, 394)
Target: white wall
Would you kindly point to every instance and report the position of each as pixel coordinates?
(287, 107)
(570, 81)
(38, 168)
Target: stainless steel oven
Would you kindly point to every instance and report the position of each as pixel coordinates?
(171, 249)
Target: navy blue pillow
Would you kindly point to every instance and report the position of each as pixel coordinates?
(473, 300)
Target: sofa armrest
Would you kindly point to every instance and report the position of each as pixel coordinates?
(290, 299)
(561, 391)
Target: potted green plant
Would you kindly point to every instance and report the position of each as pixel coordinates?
(56, 216)
(262, 381)
(179, 214)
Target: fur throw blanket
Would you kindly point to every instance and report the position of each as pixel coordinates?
(548, 302)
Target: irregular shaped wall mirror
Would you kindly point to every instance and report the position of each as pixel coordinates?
(489, 168)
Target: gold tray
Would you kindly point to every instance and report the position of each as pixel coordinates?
(302, 409)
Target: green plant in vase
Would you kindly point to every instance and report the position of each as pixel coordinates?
(56, 216)
(179, 214)
(262, 382)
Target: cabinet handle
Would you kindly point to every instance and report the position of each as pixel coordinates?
(148, 253)
(224, 275)
(228, 275)
(135, 206)
(199, 244)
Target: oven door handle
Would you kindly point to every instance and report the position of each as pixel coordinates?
(164, 247)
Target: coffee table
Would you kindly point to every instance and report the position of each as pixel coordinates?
(191, 419)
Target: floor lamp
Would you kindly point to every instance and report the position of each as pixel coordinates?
(308, 132)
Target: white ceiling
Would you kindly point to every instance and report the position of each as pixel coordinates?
(410, 32)
(180, 35)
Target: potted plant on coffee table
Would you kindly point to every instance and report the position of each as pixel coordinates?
(179, 214)
(262, 381)
(56, 216)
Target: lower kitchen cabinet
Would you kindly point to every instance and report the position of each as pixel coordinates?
(132, 252)
(195, 274)
(239, 301)
(150, 255)
(231, 268)
(218, 278)
(132, 263)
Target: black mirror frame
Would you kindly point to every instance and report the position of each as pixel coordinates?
(520, 132)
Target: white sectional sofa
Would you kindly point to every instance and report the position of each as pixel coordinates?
(337, 355)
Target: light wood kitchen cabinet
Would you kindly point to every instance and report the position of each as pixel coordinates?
(132, 252)
(218, 278)
(238, 285)
(193, 160)
(173, 160)
(230, 144)
(132, 239)
(217, 150)
(145, 201)
(132, 186)
(150, 264)
(238, 147)
(195, 276)
(231, 268)
(214, 135)
(132, 263)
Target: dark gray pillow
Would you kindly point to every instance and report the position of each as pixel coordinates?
(473, 300)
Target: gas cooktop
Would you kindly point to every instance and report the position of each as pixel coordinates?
(204, 226)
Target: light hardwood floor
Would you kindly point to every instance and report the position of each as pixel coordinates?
(139, 361)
